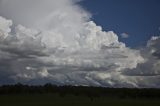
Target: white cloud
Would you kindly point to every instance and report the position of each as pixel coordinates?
(148, 73)
(125, 35)
(92, 58)
(5, 24)
(63, 47)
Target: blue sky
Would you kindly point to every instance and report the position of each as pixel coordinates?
(138, 18)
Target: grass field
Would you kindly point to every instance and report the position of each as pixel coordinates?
(69, 100)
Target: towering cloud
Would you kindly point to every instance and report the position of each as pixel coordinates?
(148, 73)
(55, 41)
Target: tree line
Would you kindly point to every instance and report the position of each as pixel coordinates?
(91, 92)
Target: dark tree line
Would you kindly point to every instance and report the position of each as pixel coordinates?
(91, 92)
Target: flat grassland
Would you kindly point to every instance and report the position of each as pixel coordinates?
(71, 100)
(52, 95)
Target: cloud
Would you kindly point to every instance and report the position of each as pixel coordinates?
(148, 73)
(92, 57)
(48, 14)
(125, 35)
(5, 24)
(61, 45)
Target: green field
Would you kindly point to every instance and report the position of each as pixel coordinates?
(70, 100)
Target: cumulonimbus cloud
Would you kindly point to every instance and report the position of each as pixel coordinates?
(58, 43)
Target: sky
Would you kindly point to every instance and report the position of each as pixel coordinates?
(72, 42)
(140, 19)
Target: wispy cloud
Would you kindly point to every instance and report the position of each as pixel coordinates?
(125, 35)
